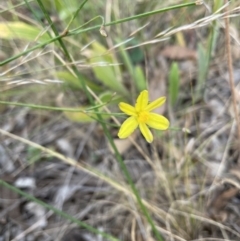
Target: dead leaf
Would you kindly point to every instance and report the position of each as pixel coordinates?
(123, 144)
(176, 52)
(219, 202)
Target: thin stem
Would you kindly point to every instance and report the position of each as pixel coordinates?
(81, 110)
(105, 129)
(15, 6)
(230, 70)
(41, 45)
(94, 27)
(33, 12)
(75, 14)
(55, 29)
(99, 16)
(57, 211)
(141, 15)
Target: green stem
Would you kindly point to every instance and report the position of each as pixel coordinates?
(141, 15)
(41, 45)
(133, 187)
(57, 211)
(106, 131)
(34, 13)
(44, 107)
(95, 27)
(55, 29)
(99, 16)
(76, 13)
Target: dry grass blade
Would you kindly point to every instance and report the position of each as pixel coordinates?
(230, 70)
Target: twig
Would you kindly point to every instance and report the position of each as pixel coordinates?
(230, 70)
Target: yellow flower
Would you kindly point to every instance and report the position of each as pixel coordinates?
(141, 116)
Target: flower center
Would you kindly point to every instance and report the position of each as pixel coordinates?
(143, 117)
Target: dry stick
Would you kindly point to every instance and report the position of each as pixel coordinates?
(230, 70)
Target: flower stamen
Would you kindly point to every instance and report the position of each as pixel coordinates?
(143, 117)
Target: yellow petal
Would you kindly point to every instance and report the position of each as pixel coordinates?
(146, 132)
(158, 122)
(127, 127)
(155, 104)
(127, 109)
(142, 101)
